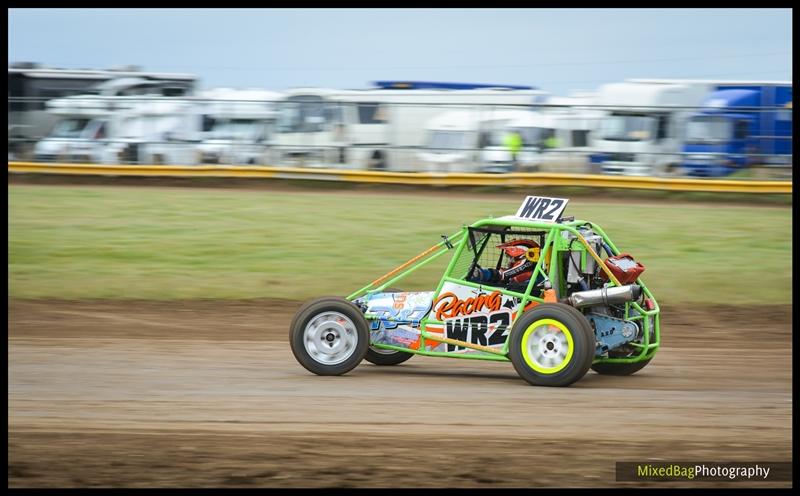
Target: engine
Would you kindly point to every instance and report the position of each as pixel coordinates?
(587, 290)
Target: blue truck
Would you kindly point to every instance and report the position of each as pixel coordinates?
(740, 125)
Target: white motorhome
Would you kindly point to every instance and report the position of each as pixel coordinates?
(451, 142)
(374, 128)
(475, 140)
(241, 123)
(121, 129)
(81, 126)
(31, 86)
(455, 140)
(157, 131)
(554, 138)
(642, 130)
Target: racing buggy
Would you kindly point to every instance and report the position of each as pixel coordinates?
(551, 294)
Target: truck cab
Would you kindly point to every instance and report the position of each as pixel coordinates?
(641, 131)
(739, 127)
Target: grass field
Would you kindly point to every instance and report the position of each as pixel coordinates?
(79, 242)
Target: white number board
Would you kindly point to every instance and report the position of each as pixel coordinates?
(541, 208)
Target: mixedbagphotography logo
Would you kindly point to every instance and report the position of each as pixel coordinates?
(704, 471)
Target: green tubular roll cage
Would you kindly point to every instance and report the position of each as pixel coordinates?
(553, 244)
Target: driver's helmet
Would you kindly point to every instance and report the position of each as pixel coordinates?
(522, 257)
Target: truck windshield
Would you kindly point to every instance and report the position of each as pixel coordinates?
(708, 129)
(449, 140)
(628, 127)
(497, 137)
(69, 128)
(245, 129)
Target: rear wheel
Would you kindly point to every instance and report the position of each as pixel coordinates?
(380, 356)
(620, 368)
(624, 352)
(552, 345)
(329, 336)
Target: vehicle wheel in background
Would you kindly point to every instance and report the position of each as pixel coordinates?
(24, 151)
(329, 336)
(377, 160)
(673, 170)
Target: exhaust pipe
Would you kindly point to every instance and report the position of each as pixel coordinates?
(605, 296)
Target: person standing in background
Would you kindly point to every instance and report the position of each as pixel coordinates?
(551, 141)
(513, 141)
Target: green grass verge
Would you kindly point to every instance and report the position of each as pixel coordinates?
(159, 243)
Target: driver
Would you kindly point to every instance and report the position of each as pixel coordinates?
(523, 254)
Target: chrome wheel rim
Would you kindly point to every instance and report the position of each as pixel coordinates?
(330, 338)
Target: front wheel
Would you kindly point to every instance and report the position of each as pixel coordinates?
(329, 336)
(552, 345)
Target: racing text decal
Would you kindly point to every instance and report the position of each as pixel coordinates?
(448, 305)
(478, 318)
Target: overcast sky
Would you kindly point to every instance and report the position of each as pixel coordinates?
(557, 50)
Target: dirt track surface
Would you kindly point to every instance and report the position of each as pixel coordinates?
(208, 394)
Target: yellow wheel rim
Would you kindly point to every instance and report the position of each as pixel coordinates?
(547, 346)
